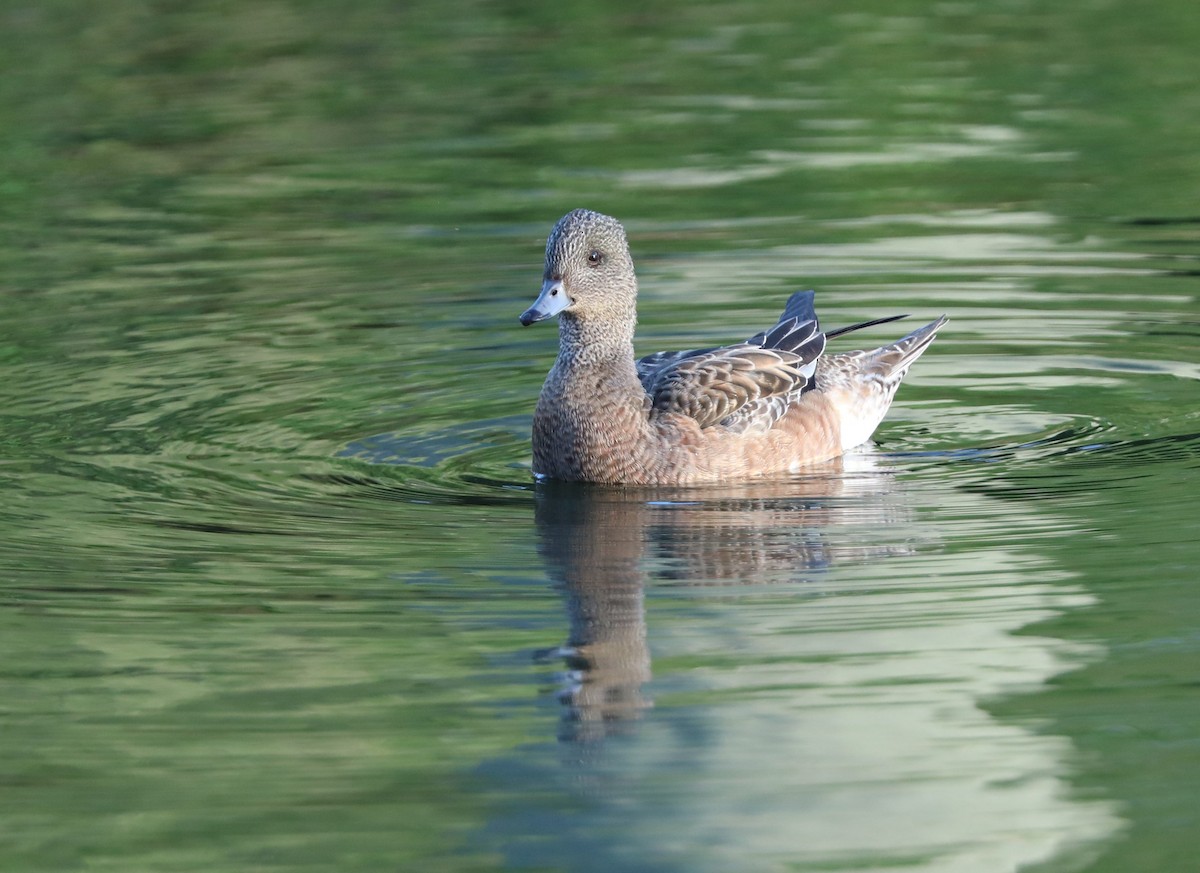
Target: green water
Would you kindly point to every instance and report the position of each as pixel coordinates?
(277, 591)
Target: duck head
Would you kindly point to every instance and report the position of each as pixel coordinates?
(588, 273)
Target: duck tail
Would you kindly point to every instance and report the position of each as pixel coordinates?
(861, 385)
(862, 324)
(890, 363)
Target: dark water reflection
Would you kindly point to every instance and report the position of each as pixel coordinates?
(602, 544)
(822, 658)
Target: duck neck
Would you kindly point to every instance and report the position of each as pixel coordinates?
(589, 343)
(593, 412)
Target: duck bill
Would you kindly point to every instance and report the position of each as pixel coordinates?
(550, 302)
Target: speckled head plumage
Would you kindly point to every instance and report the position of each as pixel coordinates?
(588, 270)
(579, 231)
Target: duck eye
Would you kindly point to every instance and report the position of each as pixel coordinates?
(595, 257)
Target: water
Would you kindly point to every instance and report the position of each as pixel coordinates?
(279, 593)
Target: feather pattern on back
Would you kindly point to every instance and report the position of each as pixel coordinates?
(743, 387)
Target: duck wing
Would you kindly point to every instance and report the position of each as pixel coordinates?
(744, 387)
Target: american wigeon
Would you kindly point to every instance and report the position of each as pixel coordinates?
(761, 408)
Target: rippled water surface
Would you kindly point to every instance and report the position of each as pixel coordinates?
(279, 593)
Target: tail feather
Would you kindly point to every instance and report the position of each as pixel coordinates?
(861, 385)
(892, 362)
(872, 323)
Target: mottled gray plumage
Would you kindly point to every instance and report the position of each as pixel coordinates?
(763, 407)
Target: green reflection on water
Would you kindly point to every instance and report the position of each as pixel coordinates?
(238, 239)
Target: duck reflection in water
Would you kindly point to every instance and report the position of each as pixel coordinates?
(600, 543)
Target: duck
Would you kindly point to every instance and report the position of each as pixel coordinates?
(767, 407)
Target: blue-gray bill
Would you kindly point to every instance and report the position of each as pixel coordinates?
(550, 302)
